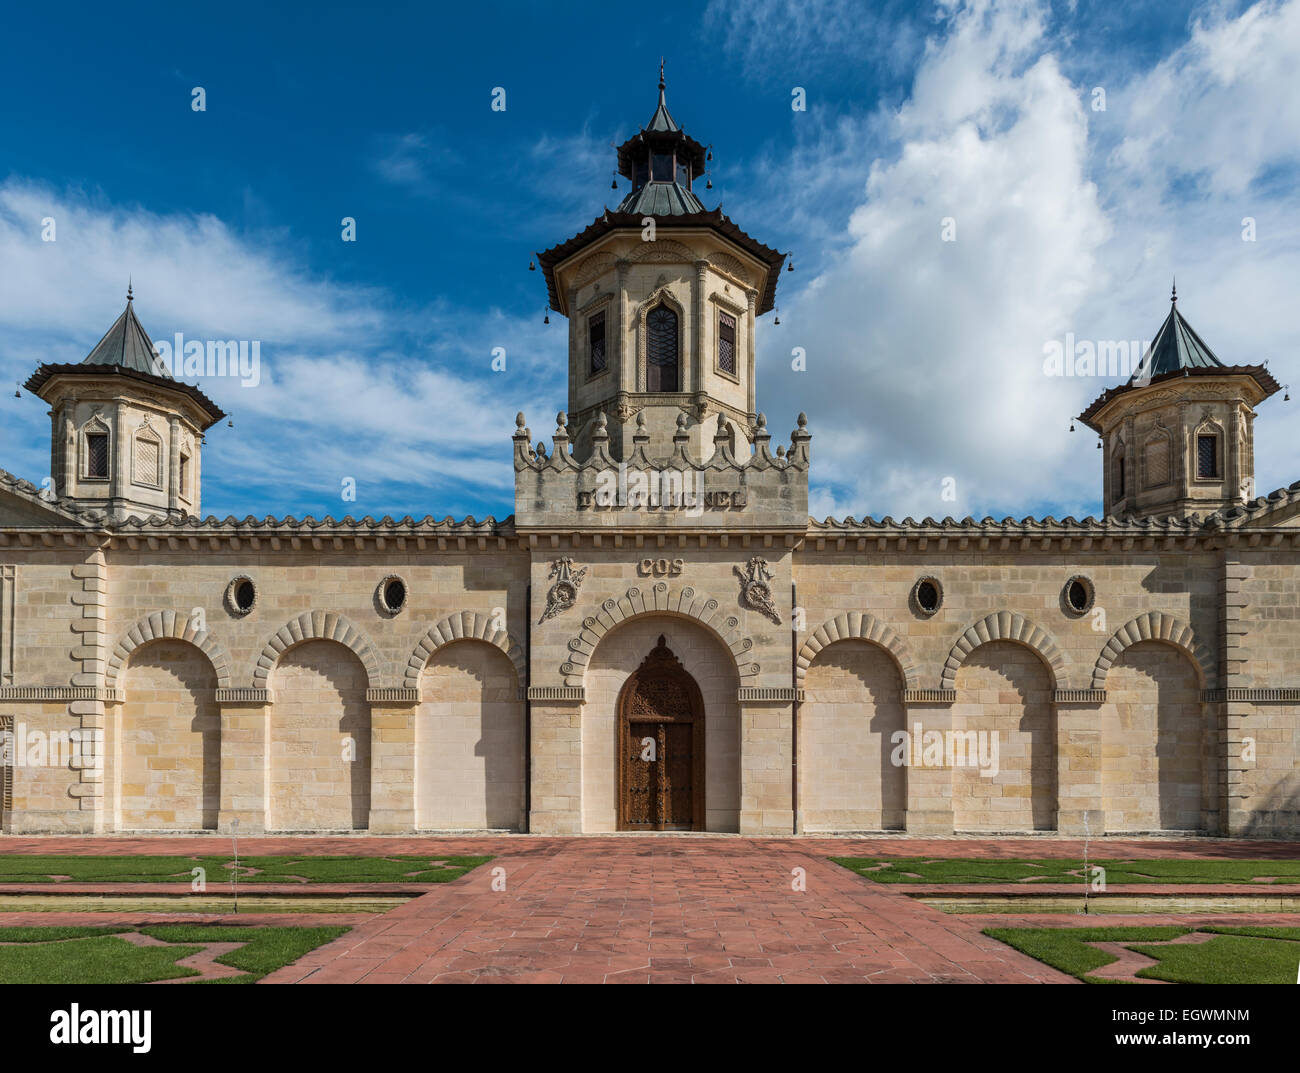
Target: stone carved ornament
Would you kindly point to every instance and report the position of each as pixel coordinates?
(564, 593)
(755, 592)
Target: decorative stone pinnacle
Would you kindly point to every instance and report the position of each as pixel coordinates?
(681, 421)
(803, 421)
(519, 419)
(561, 419)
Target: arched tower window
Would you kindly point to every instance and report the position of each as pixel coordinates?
(661, 350)
(1120, 474)
(1207, 455)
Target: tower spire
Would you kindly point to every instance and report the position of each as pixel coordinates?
(1173, 295)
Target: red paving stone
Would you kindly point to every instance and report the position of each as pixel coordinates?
(638, 909)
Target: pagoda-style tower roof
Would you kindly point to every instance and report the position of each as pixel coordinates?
(664, 164)
(1177, 351)
(126, 350)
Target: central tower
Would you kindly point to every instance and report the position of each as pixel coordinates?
(662, 296)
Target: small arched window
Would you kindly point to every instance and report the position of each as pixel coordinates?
(1207, 456)
(661, 350)
(1120, 474)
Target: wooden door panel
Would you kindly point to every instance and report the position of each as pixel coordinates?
(661, 701)
(640, 784)
(678, 775)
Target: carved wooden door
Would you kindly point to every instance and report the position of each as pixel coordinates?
(661, 747)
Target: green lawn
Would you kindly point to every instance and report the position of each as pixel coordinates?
(1065, 870)
(1236, 955)
(96, 955)
(33, 868)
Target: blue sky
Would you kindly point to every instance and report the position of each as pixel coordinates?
(924, 357)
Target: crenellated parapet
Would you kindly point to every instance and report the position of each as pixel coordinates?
(556, 490)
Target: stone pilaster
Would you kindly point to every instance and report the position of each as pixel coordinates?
(245, 760)
(929, 788)
(1230, 721)
(766, 762)
(174, 463)
(1079, 809)
(392, 760)
(624, 356)
(91, 655)
(696, 365)
(556, 767)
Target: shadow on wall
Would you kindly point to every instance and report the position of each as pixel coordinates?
(1279, 815)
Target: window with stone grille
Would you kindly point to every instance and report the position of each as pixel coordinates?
(727, 343)
(148, 454)
(1207, 456)
(661, 350)
(1157, 461)
(184, 476)
(596, 341)
(1119, 476)
(97, 454)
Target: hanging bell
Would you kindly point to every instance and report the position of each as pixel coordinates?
(708, 185)
(546, 319)
(531, 267)
(17, 394)
(613, 184)
(777, 319)
(1071, 424)
(229, 423)
(1099, 445)
(790, 267)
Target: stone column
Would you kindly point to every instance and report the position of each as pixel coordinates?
(119, 478)
(577, 348)
(174, 463)
(766, 761)
(1078, 762)
(556, 790)
(929, 788)
(751, 390)
(245, 759)
(696, 364)
(623, 355)
(392, 760)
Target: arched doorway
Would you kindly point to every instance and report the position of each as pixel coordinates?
(660, 747)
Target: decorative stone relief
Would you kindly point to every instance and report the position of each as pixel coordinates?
(755, 592)
(564, 593)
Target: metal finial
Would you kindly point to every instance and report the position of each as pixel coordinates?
(661, 72)
(1173, 294)
(128, 289)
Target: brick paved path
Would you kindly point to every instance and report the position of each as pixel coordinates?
(667, 909)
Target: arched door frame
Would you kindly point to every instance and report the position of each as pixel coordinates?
(661, 662)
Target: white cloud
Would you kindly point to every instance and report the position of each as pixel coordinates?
(925, 358)
(352, 383)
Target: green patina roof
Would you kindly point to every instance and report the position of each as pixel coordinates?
(128, 345)
(1176, 347)
(662, 122)
(661, 199)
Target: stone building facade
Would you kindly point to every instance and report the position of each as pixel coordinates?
(659, 637)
